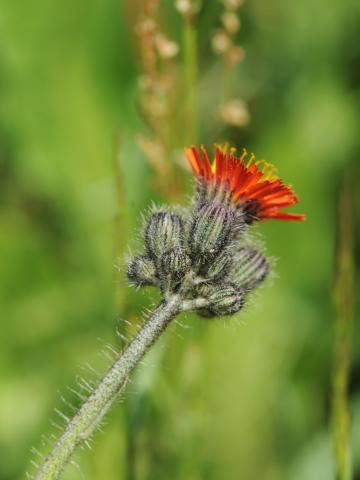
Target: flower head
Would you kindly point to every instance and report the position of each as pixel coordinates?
(249, 185)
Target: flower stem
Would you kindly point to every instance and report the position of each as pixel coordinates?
(84, 423)
(344, 300)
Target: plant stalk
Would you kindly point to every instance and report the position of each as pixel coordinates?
(190, 80)
(344, 300)
(84, 423)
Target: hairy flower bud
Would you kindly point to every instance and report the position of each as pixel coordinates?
(204, 290)
(141, 271)
(225, 299)
(164, 231)
(175, 262)
(217, 268)
(211, 230)
(250, 268)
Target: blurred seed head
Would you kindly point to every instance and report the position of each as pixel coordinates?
(231, 22)
(153, 151)
(145, 26)
(145, 82)
(188, 8)
(232, 4)
(166, 48)
(235, 113)
(154, 105)
(184, 6)
(221, 42)
(151, 6)
(234, 55)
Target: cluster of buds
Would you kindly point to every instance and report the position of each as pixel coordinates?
(199, 253)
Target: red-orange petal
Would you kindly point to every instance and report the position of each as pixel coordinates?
(245, 183)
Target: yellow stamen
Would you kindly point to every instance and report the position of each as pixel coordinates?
(251, 159)
(222, 147)
(268, 169)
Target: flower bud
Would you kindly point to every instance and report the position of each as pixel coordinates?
(175, 262)
(141, 271)
(204, 290)
(250, 268)
(164, 232)
(225, 300)
(217, 268)
(211, 230)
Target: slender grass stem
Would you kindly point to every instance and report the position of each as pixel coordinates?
(121, 224)
(190, 81)
(343, 328)
(84, 423)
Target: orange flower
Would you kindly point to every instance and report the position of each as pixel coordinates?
(251, 186)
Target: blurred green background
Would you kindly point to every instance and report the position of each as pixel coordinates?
(246, 398)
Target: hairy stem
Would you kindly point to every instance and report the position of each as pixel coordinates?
(81, 427)
(344, 300)
(194, 304)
